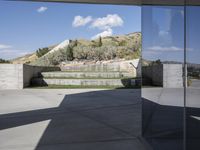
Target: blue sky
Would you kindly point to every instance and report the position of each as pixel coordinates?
(27, 26)
(163, 33)
(193, 38)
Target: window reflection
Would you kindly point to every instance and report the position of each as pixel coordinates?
(193, 69)
(162, 70)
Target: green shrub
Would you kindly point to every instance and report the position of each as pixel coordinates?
(122, 43)
(69, 53)
(82, 52)
(42, 51)
(100, 42)
(3, 61)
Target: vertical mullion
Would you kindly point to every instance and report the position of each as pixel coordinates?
(185, 76)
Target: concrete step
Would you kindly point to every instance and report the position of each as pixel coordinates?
(95, 75)
(84, 82)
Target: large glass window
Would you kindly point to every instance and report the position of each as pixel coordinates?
(162, 70)
(193, 82)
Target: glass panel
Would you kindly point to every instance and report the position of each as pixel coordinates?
(162, 71)
(193, 69)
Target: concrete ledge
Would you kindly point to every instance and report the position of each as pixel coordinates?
(86, 74)
(83, 82)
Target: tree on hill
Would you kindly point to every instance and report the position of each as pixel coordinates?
(42, 51)
(156, 62)
(100, 42)
(69, 53)
(3, 61)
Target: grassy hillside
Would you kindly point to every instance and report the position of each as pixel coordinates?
(25, 59)
(107, 48)
(29, 58)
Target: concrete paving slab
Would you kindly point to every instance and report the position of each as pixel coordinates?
(70, 119)
(163, 114)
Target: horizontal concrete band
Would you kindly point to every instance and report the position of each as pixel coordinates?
(84, 82)
(130, 2)
(85, 74)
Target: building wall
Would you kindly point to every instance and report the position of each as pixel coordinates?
(34, 71)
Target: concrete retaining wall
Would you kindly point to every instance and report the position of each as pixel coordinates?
(85, 82)
(166, 75)
(11, 76)
(118, 66)
(172, 75)
(35, 71)
(154, 74)
(18, 76)
(86, 74)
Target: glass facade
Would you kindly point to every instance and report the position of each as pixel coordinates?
(170, 89)
(170, 101)
(162, 70)
(193, 80)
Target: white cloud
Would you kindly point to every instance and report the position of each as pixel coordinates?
(8, 52)
(163, 33)
(165, 49)
(105, 33)
(3, 46)
(12, 53)
(42, 9)
(81, 21)
(104, 23)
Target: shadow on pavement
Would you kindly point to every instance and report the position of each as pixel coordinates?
(162, 126)
(100, 120)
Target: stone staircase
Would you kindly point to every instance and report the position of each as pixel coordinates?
(85, 79)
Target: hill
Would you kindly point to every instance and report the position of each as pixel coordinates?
(108, 48)
(29, 58)
(25, 59)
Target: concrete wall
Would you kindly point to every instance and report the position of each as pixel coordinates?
(18, 76)
(85, 75)
(172, 75)
(85, 82)
(166, 75)
(11, 76)
(154, 74)
(116, 66)
(34, 71)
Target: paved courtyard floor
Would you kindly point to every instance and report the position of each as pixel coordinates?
(70, 119)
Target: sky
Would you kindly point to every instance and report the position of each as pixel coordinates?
(163, 33)
(193, 38)
(27, 26)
